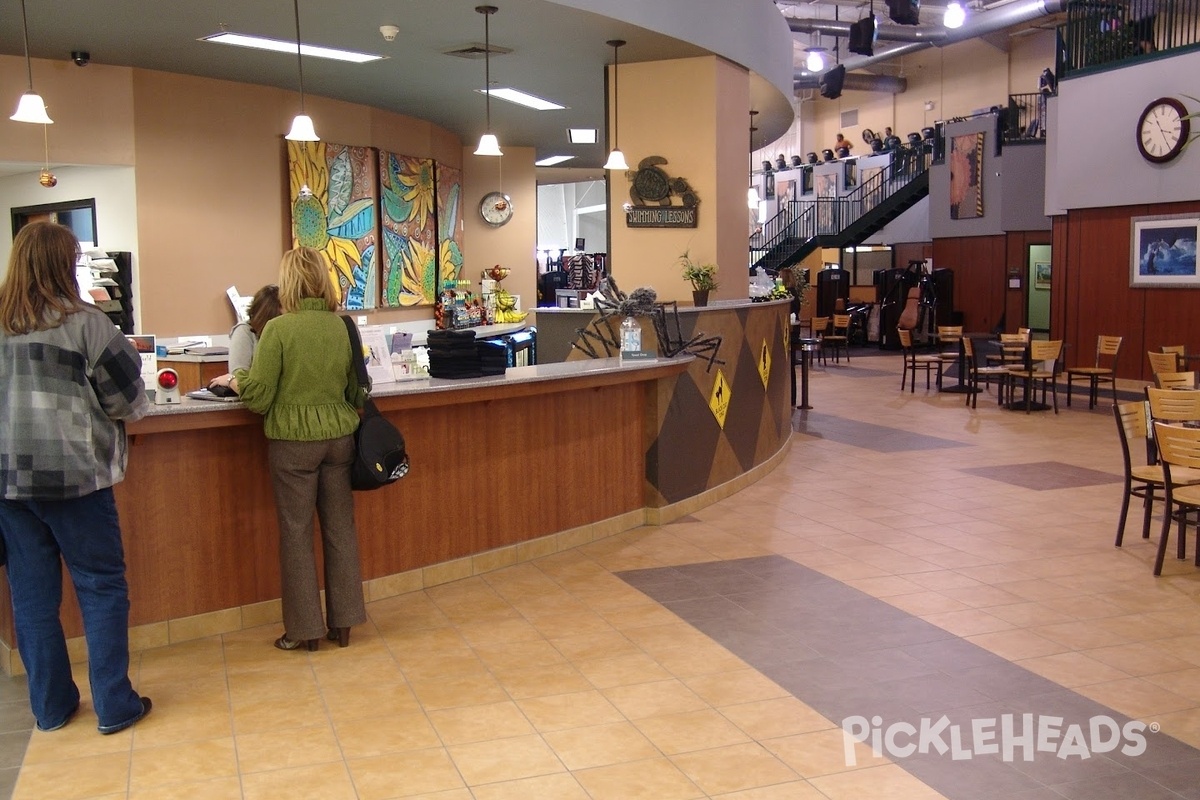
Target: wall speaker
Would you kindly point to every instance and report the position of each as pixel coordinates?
(862, 37)
(831, 82)
(904, 12)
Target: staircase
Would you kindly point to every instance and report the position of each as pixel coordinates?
(804, 225)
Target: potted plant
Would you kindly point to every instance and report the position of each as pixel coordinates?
(703, 278)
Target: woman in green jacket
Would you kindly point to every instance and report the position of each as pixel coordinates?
(303, 381)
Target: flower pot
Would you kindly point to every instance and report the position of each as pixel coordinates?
(700, 297)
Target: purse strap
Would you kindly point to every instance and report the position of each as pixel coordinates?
(356, 352)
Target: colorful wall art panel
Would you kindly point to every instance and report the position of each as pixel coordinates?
(966, 176)
(449, 221)
(410, 246)
(334, 193)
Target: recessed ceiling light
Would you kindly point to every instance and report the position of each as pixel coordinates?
(278, 46)
(582, 135)
(523, 99)
(550, 161)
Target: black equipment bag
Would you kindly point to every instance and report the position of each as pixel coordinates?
(380, 456)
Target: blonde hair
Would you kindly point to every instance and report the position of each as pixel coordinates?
(304, 274)
(40, 289)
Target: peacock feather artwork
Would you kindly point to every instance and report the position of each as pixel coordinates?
(333, 197)
(412, 274)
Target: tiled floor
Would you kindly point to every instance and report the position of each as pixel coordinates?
(889, 568)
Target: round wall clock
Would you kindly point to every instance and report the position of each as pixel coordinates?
(496, 208)
(1163, 130)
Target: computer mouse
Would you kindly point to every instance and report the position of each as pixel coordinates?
(221, 391)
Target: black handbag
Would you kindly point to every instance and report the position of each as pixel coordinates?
(380, 457)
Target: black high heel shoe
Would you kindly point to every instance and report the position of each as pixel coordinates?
(339, 635)
(284, 643)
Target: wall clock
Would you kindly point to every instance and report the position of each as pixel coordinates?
(1163, 130)
(496, 208)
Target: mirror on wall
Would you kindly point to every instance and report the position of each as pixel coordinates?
(78, 215)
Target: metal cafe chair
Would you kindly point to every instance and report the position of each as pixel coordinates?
(1178, 448)
(913, 363)
(1104, 370)
(1033, 371)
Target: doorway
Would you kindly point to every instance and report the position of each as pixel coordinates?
(1039, 277)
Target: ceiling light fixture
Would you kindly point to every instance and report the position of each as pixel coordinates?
(46, 177)
(616, 159)
(752, 199)
(814, 62)
(30, 108)
(302, 126)
(550, 161)
(488, 144)
(581, 135)
(955, 15)
(525, 99)
(286, 46)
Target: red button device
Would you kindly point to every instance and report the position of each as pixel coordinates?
(168, 379)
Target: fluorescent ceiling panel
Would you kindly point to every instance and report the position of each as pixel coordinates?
(278, 46)
(522, 99)
(550, 161)
(582, 135)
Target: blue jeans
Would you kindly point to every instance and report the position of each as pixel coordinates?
(83, 532)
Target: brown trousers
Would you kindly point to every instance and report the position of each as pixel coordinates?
(308, 476)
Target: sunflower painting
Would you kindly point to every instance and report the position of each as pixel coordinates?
(449, 221)
(333, 195)
(411, 275)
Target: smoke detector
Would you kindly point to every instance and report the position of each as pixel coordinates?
(390, 32)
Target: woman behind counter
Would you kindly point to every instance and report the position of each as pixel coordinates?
(70, 382)
(303, 381)
(263, 308)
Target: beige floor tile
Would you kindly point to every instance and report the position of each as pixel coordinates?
(688, 662)
(573, 710)
(455, 691)
(733, 768)
(927, 602)
(1016, 644)
(594, 645)
(637, 616)
(77, 740)
(297, 747)
(365, 737)
(621, 670)
(792, 790)
(1080, 635)
(561, 678)
(967, 623)
(191, 761)
(600, 745)
(93, 776)
(561, 786)
(219, 789)
(1138, 658)
(1136, 697)
(1073, 669)
(509, 630)
(690, 731)
(330, 781)
(822, 752)
(1183, 725)
(888, 782)
(770, 719)
(403, 774)
(655, 778)
(730, 688)
(504, 759)
(480, 723)
(1185, 683)
(642, 700)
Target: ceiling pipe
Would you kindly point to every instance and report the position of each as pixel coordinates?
(977, 24)
(857, 81)
(889, 33)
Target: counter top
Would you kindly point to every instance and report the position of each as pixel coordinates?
(713, 305)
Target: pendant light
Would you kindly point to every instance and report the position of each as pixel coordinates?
(46, 177)
(616, 159)
(752, 199)
(302, 126)
(488, 144)
(30, 108)
(814, 61)
(955, 15)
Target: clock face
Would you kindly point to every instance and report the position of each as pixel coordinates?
(496, 208)
(1163, 130)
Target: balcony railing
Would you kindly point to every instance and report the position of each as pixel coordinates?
(1104, 35)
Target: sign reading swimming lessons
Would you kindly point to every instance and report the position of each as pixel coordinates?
(663, 217)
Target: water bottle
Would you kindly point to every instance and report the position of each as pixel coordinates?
(631, 335)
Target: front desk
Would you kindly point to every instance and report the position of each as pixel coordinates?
(505, 469)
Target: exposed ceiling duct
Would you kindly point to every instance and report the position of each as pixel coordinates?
(921, 37)
(857, 81)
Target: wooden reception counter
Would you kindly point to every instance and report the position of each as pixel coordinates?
(504, 469)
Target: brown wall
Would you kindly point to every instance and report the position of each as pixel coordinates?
(1091, 293)
(982, 265)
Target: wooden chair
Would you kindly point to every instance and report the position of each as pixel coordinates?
(975, 370)
(1178, 448)
(819, 327)
(1162, 362)
(839, 340)
(1148, 477)
(1173, 405)
(1012, 349)
(1180, 352)
(914, 362)
(1033, 371)
(1175, 380)
(1108, 349)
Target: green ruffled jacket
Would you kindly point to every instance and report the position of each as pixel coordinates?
(302, 379)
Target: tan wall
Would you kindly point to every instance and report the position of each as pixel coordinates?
(686, 111)
(511, 245)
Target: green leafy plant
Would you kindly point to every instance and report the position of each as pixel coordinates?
(703, 277)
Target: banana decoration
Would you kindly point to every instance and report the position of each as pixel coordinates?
(506, 307)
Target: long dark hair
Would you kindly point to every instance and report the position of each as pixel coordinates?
(40, 279)
(264, 308)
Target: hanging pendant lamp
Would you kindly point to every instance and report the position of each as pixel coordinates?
(616, 159)
(302, 126)
(752, 199)
(489, 145)
(30, 108)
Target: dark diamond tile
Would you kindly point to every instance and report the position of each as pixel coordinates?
(1181, 777)
(1005, 681)
(1045, 475)
(1126, 786)
(934, 693)
(953, 653)
(978, 778)
(868, 436)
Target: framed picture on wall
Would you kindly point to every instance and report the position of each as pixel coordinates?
(1041, 275)
(1163, 251)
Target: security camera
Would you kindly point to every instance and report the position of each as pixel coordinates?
(389, 32)
(81, 57)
